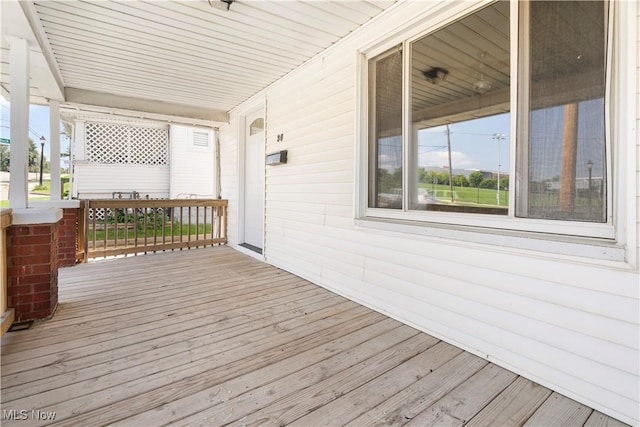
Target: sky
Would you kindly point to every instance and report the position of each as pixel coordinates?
(473, 144)
(485, 143)
(38, 127)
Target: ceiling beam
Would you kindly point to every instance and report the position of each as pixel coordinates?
(44, 67)
(488, 103)
(20, 20)
(143, 108)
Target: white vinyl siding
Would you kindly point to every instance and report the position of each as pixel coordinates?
(192, 163)
(99, 177)
(95, 181)
(567, 322)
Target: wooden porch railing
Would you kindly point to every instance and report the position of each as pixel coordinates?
(7, 314)
(111, 227)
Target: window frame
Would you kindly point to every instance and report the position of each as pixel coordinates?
(614, 243)
(498, 222)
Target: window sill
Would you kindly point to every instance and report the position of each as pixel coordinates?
(580, 249)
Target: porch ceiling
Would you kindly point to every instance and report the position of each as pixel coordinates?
(182, 52)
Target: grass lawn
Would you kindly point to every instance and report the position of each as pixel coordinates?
(151, 231)
(466, 195)
(39, 193)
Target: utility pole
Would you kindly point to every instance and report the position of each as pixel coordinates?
(569, 158)
(450, 169)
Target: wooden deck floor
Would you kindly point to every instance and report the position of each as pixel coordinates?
(213, 337)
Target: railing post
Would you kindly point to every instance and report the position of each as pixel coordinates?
(224, 222)
(83, 225)
(7, 315)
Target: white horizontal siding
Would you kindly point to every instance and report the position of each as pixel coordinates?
(192, 168)
(99, 181)
(570, 325)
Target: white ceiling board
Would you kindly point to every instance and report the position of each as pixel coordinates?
(164, 31)
(185, 52)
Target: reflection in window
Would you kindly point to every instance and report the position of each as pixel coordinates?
(256, 126)
(463, 166)
(451, 150)
(460, 81)
(566, 155)
(385, 172)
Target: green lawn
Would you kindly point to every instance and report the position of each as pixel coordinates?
(39, 193)
(151, 231)
(466, 195)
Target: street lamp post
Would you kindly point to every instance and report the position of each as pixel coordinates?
(498, 137)
(589, 168)
(41, 157)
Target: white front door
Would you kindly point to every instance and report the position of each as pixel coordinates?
(254, 181)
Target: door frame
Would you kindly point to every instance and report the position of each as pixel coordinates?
(242, 149)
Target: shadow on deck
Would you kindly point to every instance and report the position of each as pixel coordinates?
(214, 337)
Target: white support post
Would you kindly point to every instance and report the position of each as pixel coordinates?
(19, 68)
(77, 153)
(54, 149)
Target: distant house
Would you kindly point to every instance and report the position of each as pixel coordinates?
(121, 157)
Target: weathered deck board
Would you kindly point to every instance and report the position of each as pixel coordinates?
(259, 388)
(444, 364)
(514, 406)
(559, 410)
(213, 337)
(418, 404)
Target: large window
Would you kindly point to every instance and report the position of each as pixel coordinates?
(442, 138)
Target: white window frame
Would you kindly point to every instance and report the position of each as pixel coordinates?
(614, 240)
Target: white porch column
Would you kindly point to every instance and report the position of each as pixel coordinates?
(77, 153)
(19, 68)
(54, 149)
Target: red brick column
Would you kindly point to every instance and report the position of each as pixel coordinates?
(32, 270)
(68, 237)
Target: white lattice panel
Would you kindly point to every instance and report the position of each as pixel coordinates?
(107, 143)
(123, 144)
(149, 146)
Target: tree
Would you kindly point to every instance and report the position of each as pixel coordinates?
(432, 177)
(460, 181)
(4, 158)
(488, 183)
(388, 182)
(504, 183)
(443, 178)
(422, 175)
(475, 178)
(34, 157)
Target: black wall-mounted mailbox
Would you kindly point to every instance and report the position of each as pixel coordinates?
(278, 158)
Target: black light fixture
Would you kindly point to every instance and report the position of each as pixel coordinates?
(221, 4)
(436, 74)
